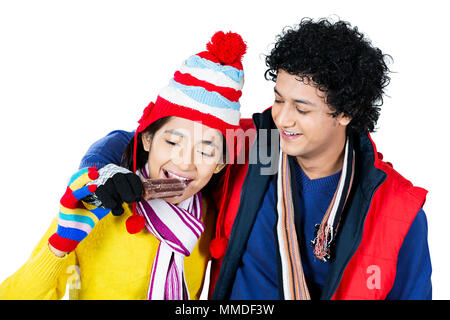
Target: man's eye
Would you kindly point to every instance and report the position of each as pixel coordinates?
(301, 111)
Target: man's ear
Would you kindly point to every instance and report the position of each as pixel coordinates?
(343, 120)
(219, 167)
(146, 141)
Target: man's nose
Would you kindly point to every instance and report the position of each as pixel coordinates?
(285, 118)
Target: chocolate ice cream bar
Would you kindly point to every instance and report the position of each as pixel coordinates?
(162, 188)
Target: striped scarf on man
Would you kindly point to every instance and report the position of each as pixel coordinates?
(293, 279)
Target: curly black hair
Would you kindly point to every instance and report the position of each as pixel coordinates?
(340, 61)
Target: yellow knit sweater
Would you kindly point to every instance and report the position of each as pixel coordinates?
(111, 263)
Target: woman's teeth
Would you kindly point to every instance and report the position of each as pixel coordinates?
(169, 174)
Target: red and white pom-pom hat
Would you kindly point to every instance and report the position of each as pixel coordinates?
(205, 89)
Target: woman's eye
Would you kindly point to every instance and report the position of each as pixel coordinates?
(171, 143)
(278, 101)
(206, 154)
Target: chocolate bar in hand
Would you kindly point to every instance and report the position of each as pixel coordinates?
(162, 188)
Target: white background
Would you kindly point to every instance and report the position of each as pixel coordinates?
(72, 71)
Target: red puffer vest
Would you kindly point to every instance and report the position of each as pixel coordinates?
(370, 274)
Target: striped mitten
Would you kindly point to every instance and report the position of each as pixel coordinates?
(76, 217)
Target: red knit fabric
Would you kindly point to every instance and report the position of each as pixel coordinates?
(228, 196)
(164, 108)
(188, 80)
(393, 208)
(62, 244)
(228, 48)
(217, 247)
(93, 173)
(135, 223)
(68, 200)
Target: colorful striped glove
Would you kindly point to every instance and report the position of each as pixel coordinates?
(76, 217)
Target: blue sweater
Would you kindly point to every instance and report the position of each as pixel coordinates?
(107, 150)
(257, 276)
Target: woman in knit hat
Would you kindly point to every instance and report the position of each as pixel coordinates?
(157, 248)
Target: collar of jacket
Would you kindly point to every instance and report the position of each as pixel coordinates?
(252, 193)
(367, 179)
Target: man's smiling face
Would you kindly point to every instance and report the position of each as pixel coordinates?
(303, 118)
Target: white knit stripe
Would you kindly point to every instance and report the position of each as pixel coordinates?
(179, 263)
(193, 221)
(197, 204)
(196, 61)
(183, 276)
(176, 225)
(189, 220)
(173, 245)
(75, 224)
(183, 205)
(159, 272)
(280, 230)
(186, 205)
(141, 209)
(333, 212)
(214, 77)
(153, 230)
(210, 98)
(174, 95)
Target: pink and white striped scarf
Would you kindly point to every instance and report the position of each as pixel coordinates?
(178, 228)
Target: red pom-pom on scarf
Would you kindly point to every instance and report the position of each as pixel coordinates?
(218, 246)
(135, 224)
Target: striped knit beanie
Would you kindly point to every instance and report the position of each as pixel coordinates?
(206, 88)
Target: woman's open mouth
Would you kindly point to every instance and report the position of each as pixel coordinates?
(171, 174)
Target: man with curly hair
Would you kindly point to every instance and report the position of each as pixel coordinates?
(333, 221)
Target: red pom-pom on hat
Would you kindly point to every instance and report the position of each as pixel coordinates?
(228, 47)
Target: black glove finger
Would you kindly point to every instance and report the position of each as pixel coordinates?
(136, 185)
(123, 188)
(117, 211)
(108, 195)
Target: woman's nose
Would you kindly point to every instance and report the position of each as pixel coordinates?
(185, 161)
